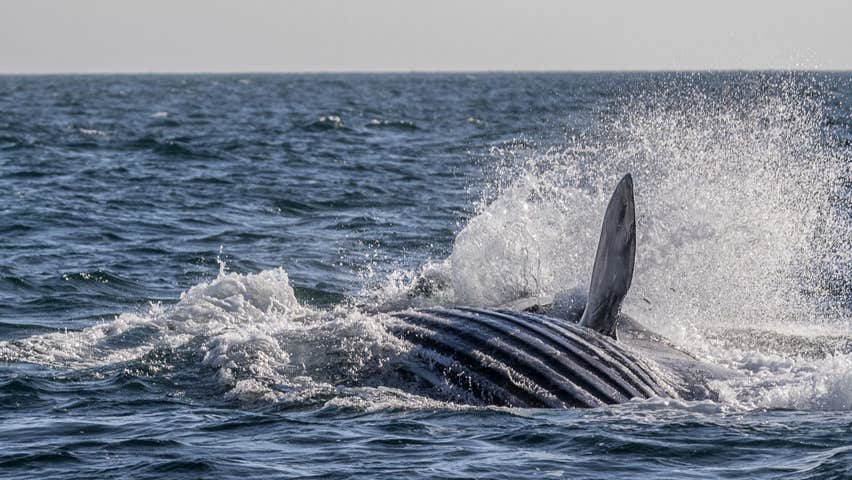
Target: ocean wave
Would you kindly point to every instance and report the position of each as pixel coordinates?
(166, 147)
(393, 124)
(325, 122)
(99, 276)
(92, 132)
(8, 142)
(243, 337)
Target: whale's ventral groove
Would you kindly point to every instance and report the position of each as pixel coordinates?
(635, 371)
(470, 368)
(504, 349)
(522, 359)
(578, 373)
(582, 359)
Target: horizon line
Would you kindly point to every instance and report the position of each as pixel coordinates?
(423, 71)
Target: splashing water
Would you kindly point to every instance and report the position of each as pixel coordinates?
(738, 225)
(734, 203)
(244, 336)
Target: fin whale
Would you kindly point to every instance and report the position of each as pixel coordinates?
(524, 357)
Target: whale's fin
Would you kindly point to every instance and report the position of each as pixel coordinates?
(529, 304)
(613, 270)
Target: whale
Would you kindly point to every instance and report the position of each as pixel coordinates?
(531, 354)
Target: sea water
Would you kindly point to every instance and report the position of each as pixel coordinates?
(194, 269)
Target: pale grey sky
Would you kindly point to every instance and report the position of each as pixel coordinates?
(40, 36)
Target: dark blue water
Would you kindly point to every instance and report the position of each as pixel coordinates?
(193, 269)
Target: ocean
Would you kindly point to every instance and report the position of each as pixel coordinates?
(194, 269)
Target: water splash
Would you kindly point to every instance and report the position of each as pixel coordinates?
(245, 337)
(739, 194)
(739, 225)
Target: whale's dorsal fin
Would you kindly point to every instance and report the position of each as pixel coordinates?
(613, 270)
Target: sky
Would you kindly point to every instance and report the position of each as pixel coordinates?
(88, 36)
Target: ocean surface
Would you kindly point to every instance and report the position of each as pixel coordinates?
(194, 269)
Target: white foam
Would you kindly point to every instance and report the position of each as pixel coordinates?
(92, 132)
(247, 335)
(776, 381)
